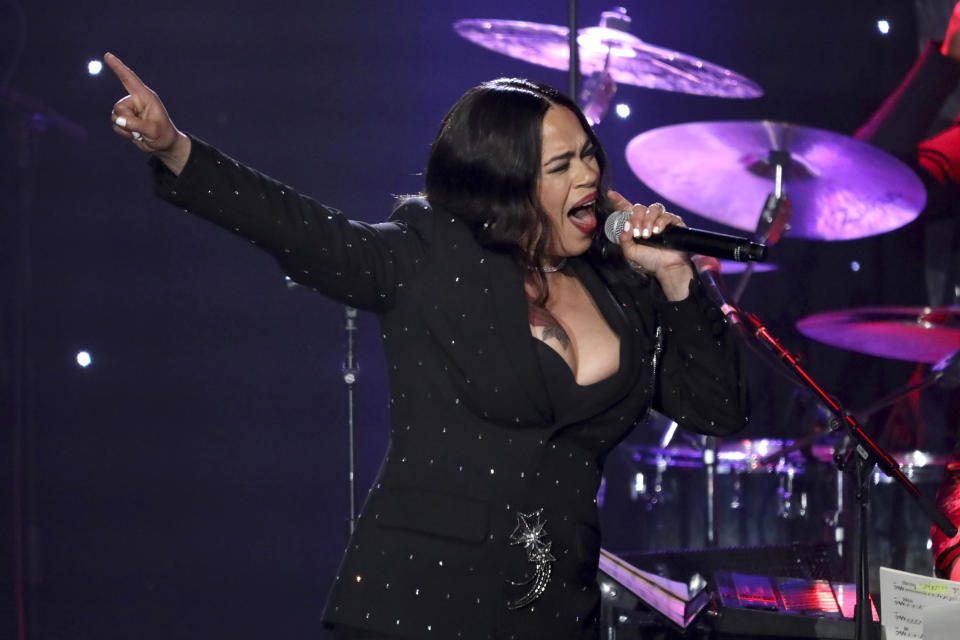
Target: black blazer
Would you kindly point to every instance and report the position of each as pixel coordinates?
(474, 439)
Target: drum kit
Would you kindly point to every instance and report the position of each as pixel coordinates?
(767, 178)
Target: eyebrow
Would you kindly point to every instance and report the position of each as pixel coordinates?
(567, 154)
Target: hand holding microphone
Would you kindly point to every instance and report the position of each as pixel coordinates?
(658, 241)
(670, 267)
(708, 243)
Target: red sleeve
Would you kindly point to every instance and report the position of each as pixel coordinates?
(940, 155)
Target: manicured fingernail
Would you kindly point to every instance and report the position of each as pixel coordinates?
(636, 232)
(121, 121)
(136, 135)
(626, 226)
(646, 233)
(656, 229)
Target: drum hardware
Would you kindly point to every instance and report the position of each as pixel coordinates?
(913, 334)
(713, 504)
(738, 461)
(600, 87)
(790, 504)
(773, 221)
(608, 54)
(839, 188)
(863, 455)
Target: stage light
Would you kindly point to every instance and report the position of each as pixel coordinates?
(623, 110)
(84, 359)
(883, 27)
(94, 67)
(854, 266)
(639, 485)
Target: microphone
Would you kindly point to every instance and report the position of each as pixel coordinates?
(708, 243)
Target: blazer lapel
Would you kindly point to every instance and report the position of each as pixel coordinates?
(510, 318)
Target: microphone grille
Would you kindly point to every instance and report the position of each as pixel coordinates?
(613, 226)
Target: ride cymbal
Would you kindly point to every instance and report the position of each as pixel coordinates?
(839, 188)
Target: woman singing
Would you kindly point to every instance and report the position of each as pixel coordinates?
(519, 354)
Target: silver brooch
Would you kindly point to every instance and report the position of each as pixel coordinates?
(531, 533)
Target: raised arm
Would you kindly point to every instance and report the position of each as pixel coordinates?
(141, 118)
(353, 262)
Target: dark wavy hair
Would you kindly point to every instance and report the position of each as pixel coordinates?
(484, 166)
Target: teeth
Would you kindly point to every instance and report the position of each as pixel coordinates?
(587, 206)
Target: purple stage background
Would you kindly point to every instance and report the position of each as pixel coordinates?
(191, 483)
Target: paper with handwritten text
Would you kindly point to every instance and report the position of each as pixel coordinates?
(903, 598)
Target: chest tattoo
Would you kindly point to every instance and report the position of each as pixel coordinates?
(541, 317)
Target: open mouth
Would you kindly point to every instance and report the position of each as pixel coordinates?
(584, 216)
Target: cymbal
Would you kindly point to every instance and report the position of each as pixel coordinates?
(631, 60)
(732, 267)
(914, 334)
(840, 188)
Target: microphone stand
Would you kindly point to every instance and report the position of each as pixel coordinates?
(351, 371)
(29, 120)
(865, 454)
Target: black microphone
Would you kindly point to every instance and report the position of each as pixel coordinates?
(708, 243)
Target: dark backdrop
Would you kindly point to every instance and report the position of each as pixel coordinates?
(192, 481)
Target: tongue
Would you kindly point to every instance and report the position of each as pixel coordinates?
(582, 213)
(583, 219)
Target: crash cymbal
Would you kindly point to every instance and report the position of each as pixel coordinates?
(915, 334)
(627, 58)
(840, 188)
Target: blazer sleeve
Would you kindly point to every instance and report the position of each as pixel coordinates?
(354, 262)
(700, 383)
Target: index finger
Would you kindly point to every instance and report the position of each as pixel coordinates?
(127, 77)
(618, 201)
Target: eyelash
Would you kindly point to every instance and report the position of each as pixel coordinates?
(589, 152)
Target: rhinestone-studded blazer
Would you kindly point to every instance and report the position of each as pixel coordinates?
(474, 439)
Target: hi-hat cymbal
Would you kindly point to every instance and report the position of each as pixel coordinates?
(627, 58)
(840, 188)
(915, 334)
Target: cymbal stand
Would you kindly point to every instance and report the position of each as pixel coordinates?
(598, 89)
(573, 88)
(865, 454)
(713, 498)
(597, 92)
(774, 217)
(945, 373)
